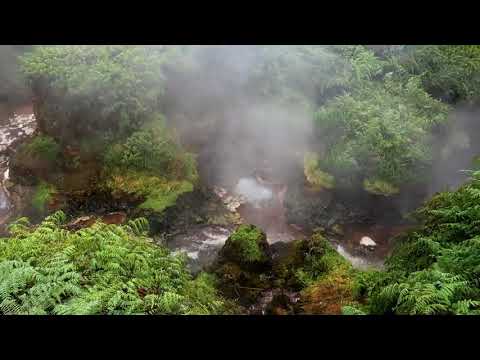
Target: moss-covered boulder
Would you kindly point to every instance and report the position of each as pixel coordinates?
(244, 265)
(247, 247)
(35, 159)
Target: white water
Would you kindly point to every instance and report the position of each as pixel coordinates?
(252, 190)
(357, 261)
(16, 128)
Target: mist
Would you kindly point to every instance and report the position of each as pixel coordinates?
(234, 128)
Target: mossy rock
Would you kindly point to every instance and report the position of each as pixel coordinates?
(244, 265)
(248, 247)
(38, 158)
(288, 258)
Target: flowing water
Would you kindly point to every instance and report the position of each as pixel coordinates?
(13, 130)
(200, 244)
(261, 204)
(362, 256)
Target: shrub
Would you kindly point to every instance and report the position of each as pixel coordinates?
(99, 91)
(382, 129)
(158, 193)
(316, 177)
(450, 72)
(435, 269)
(380, 187)
(43, 147)
(154, 150)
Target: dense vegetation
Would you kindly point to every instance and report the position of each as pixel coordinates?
(104, 269)
(377, 117)
(434, 269)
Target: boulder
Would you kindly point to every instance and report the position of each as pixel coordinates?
(244, 264)
(81, 222)
(367, 242)
(247, 247)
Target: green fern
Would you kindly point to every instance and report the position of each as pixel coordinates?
(103, 269)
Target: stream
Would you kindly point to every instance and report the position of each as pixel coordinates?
(256, 200)
(261, 203)
(14, 129)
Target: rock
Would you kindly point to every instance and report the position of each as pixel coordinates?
(81, 222)
(116, 218)
(368, 242)
(338, 229)
(243, 264)
(247, 247)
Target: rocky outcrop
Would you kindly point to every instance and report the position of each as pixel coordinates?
(244, 264)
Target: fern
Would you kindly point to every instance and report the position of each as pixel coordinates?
(103, 269)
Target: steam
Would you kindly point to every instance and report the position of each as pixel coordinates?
(252, 190)
(234, 128)
(455, 150)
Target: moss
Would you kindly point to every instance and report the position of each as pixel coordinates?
(330, 293)
(246, 241)
(320, 259)
(158, 192)
(316, 177)
(380, 187)
(43, 195)
(166, 195)
(329, 279)
(287, 262)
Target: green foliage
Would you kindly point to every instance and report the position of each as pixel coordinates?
(379, 187)
(153, 149)
(351, 310)
(316, 177)
(42, 196)
(320, 260)
(104, 269)
(435, 269)
(428, 292)
(160, 198)
(382, 130)
(150, 165)
(100, 91)
(301, 73)
(451, 72)
(43, 147)
(158, 193)
(12, 82)
(246, 242)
